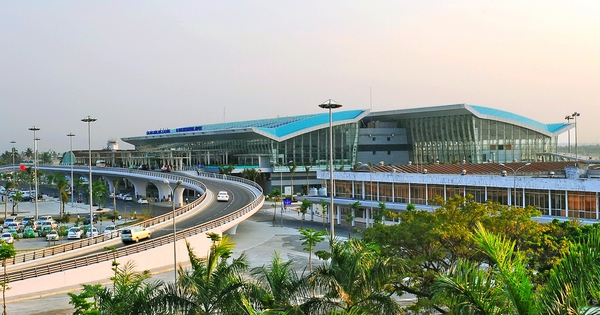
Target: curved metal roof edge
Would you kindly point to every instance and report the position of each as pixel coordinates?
(311, 123)
(552, 129)
(303, 124)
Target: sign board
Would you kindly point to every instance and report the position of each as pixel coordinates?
(287, 201)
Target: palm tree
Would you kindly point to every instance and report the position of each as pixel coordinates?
(18, 197)
(292, 167)
(115, 183)
(62, 184)
(226, 170)
(132, 293)
(310, 239)
(98, 191)
(307, 170)
(282, 289)
(6, 251)
(276, 193)
(8, 184)
(304, 209)
(324, 209)
(212, 285)
(504, 286)
(355, 280)
(350, 217)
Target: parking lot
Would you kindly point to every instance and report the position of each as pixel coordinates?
(51, 206)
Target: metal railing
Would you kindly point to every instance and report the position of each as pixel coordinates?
(82, 243)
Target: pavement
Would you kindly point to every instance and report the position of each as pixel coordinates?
(257, 237)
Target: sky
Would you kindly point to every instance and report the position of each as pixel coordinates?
(147, 65)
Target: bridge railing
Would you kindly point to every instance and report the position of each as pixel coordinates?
(79, 262)
(85, 242)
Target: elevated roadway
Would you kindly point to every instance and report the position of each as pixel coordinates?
(90, 262)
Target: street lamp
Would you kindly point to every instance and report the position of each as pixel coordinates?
(71, 135)
(89, 120)
(515, 178)
(371, 181)
(35, 179)
(568, 118)
(13, 159)
(575, 115)
(166, 182)
(331, 104)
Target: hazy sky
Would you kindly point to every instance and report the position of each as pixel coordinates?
(143, 65)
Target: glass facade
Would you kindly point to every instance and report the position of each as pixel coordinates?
(451, 139)
(307, 149)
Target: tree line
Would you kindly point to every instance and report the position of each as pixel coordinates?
(461, 258)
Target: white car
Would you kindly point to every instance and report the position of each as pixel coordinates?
(111, 230)
(92, 233)
(127, 198)
(143, 201)
(75, 232)
(8, 238)
(52, 236)
(223, 196)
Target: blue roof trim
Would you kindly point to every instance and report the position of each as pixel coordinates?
(518, 118)
(277, 127)
(311, 122)
(558, 127)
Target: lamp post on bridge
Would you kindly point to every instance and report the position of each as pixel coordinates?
(89, 120)
(35, 179)
(166, 181)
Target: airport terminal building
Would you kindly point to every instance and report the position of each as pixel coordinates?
(294, 151)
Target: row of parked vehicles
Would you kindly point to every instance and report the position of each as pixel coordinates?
(129, 197)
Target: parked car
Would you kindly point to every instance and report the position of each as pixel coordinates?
(8, 238)
(127, 198)
(27, 220)
(86, 220)
(111, 230)
(223, 196)
(29, 232)
(15, 226)
(52, 236)
(134, 234)
(75, 232)
(9, 220)
(51, 224)
(142, 201)
(45, 218)
(93, 232)
(43, 231)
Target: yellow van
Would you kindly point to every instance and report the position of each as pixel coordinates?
(134, 234)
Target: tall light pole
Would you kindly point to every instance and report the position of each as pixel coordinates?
(331, 104)
(13, 160)
(71, 135)
(568, 118)
(575, 115)
(514, 178)
(35, 179)
(166, 182)
(89, 120)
